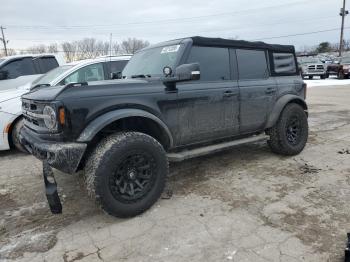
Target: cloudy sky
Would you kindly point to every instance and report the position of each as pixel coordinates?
(43, 22)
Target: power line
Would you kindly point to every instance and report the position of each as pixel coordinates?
(208, 31)
(274, 37)
(299, 34)
(164, 21)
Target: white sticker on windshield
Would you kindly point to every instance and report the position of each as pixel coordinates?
(170, 49)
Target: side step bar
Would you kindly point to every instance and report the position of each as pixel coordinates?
(187, 154)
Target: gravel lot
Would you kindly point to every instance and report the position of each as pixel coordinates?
(245, 204)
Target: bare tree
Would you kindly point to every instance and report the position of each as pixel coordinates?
(52, 48)
(131, 45)
(37, 49)
(69, 50)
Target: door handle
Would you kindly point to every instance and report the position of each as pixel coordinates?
(270, 90)
(229, 94)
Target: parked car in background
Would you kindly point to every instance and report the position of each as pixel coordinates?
(11, 121)
(311, 67)
(340, 67)
(20, 69)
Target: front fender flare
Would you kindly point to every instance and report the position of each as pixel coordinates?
(279, 106)
(102, 121)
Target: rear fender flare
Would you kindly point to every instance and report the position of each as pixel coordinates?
(280, 105)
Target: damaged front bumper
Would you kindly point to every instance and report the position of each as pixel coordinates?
(60, 155)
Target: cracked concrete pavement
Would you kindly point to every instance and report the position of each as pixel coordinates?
(245, 204)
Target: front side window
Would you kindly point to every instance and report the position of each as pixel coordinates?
(51, 75)
(284, 63)
(252, 64)
(214, 62)
(88, 73)
(18, 68)
(150, 62)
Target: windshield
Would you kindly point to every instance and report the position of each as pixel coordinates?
(150, 62)
(51, 75)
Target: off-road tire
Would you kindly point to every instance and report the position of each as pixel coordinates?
(104, 163)
(15, 130)
(279, 142)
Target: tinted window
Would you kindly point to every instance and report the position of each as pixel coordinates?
(117, 66)
(214, 62)
(86, 74)
(252, 64)
(46, 64)
(18, 68)
(284, 63)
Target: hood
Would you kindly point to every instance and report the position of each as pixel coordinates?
(12, 93)
(51, 93)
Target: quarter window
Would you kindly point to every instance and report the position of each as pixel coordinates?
(284, 63)
(252, 64)
(86, 74)
(214, 62)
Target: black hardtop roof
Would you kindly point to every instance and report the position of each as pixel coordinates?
(221, 42)
(207, 41)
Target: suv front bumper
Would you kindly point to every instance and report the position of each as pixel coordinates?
(60, 155)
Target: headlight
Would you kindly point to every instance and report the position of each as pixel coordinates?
(50, 118)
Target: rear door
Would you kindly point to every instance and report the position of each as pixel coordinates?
(209, 107)
(257, 89)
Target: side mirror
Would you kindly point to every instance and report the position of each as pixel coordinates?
(3, 75)
(184, 72)
(188, 72)
(116, 75)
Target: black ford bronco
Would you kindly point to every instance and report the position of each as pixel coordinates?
(175, 100)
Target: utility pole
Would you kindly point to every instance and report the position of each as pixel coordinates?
(342, 13)
(3, 39)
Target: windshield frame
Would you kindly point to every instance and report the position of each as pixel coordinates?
(181, 51)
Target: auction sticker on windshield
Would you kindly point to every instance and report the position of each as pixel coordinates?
(170, 49)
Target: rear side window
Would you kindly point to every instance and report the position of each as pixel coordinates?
(284, 63)
(46, 64)
(214, 62)
(252, 64)
(18, 68)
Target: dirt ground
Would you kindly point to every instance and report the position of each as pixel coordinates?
(245, 204)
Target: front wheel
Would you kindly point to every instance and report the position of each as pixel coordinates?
(289, 135)
(16, 129)
(126, 173)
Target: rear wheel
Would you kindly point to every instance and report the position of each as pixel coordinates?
(289, 135)
(16, 129)
(126, 173)
(311, 77)
(323, 76)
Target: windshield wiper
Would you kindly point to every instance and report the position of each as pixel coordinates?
(140, 76)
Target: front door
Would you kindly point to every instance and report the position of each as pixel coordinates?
(208, 108)
(257, 89)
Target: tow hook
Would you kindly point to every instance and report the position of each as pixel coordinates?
(347, 250)
(51, 189)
